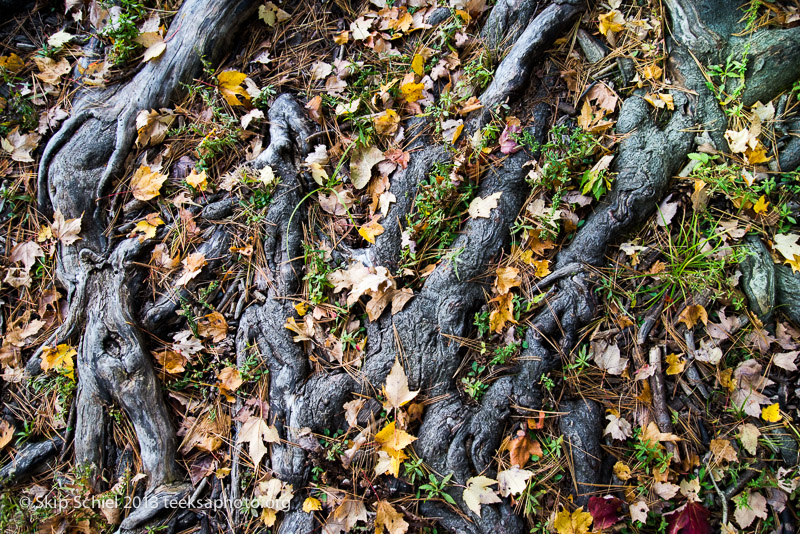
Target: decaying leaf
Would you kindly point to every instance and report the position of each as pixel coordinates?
(478, 492)
(482, 207)
(256, 433)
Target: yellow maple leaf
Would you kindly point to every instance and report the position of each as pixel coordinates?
(771, 414)
(675, 364)
(386, 122)
(577, 522)
(146, 183)
(613, 21)
(59, 358)
(146, 229)
(411, 91)
(370, 231)
(762, 205)
(311, 505)
(198, 180)
(503, 314)
(542, 267)
(392, 438)
(230, 85)
(418, 64)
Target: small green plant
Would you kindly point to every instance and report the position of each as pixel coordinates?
(122, 30)
(317, 270)
(435, 489)
(473, 385)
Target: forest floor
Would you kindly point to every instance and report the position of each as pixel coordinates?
(673, 321)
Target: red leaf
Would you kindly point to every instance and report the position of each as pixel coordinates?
(508, 145)
(692, 518)
(605, 511)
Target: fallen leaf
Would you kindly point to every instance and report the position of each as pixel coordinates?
(272, 14)
(675, 364)
(59, 358)
(691, 518)
(396, 388)
(478, 492)
(27, 253)
(6, 433)
(311, 505)
(618, 428)
(577, 522)
(788, 246)
(256, 432)
(522, 447)
(771, 413)
(192, 265)
(389, 520)
(722, 449)
(639, 511)
(605, 511)
(371, 230)
(214, 326)
(513, 481)
(693, 313)
(66, 230)
(386, 122)
(607, 357)
(748, 435)
(482, 207)
(361, 164)
(230, 86)
(146, 183)
(747, 509)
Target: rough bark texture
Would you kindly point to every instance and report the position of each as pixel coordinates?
(82, 161)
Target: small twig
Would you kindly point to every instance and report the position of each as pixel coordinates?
(722, 498)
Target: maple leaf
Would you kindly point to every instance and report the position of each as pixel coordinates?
(229, 381)
(59, 358)
(613, 21)
(607, 357)
(51, 70)
(230, 86)
(691, 518)
(411, 91)
(7, 431)
(675, 364)
(20, 145)
(513, 481)
(198, 180)
(771, 413)
(26, 253)
(255, 432)
(152, 126)
(789, 248)
(146, 229)
(389, 519)
(214, 326)
(173, 362)
(273, 496)
(748, 507)
(722, 450)
(503, 314)
(345, 516)
(522, 447)
(371, 230)
(146, 184)
(605, 511)
(507, 277)
(311, 505)
(481, 207)
(272, 14)
(478, 492)
(66, 230)
(576, 522)
(361, 164)
(507, 140)
(392, 438)
(192, 265)
(693, 313)
(386, 122)
(639, 511)
(618, 427)
(396, 388)
(748, 435)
